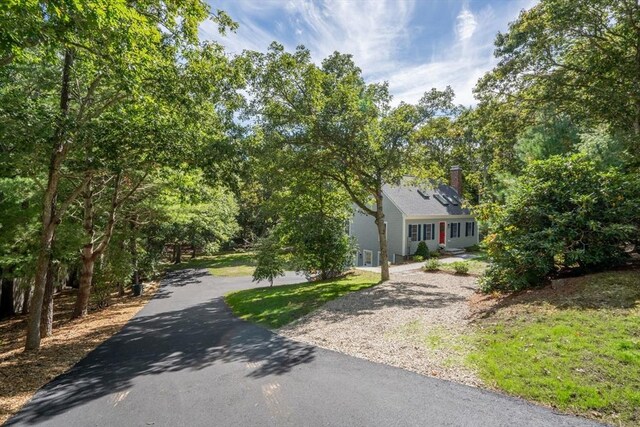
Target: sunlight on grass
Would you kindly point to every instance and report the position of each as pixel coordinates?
(233, 264)
(579, 353)
(476, 266)
(276, 306)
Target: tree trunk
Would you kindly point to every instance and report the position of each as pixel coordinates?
(46, 321)
(382, 236)
(193, 251)
(177, 249)
(49, 217)
(6, 299)
(91, 251)
(134, 254)
(86, 276)
(26, 299)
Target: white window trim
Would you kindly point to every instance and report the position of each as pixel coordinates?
(417, 233)
(432, 228)
(364, 257)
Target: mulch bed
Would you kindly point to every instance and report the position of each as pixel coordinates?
(23, 373)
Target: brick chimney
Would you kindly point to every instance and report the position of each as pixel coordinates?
(456, 179)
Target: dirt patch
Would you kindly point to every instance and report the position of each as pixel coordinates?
(417, 321)
(22, 374)
(606, 290)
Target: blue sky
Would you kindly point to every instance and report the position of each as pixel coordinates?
(413, 44)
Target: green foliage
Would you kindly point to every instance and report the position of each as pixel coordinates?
(189, 210)
(432, 265)
(270, 258)
(274, 307)
(563, 212)
(112, 270)
(550, 137)
(422, 251)
(578, 56)
(418, 258)
(339, 125)
(460, 267)
(475, 267)
(324, 250)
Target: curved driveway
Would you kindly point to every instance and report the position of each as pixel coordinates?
(184, 360)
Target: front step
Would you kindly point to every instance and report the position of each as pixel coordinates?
(454, 251)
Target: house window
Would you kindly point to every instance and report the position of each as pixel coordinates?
(368, 258)
(413, 232)
(454, 230)
(470, 229)
(429, 231)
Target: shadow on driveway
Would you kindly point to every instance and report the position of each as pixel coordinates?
(191, 338)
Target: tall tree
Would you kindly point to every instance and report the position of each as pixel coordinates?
(581, 57)
(94, 42)
(346, 127)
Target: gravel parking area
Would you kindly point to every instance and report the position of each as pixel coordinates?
(416, 321)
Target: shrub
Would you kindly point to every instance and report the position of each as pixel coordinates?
(422, 250)
(418, 258)
(270, 258)
(432, 265)
(460, 267)
(563, 212)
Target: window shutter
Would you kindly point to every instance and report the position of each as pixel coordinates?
(409, 227)
(433, 231)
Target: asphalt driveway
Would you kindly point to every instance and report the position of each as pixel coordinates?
(186, 360)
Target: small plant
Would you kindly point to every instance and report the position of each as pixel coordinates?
(418, 258)
(422, 251)
(432, 265)
(460, 267)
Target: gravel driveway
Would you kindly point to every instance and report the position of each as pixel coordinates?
(415, 321)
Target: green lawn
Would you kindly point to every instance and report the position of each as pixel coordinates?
(276, 306)
(232, 264)
(578, 351)
(476, 266)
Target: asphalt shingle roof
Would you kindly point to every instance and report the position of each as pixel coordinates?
(408, 199)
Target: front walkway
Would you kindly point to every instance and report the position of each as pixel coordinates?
(414, 266)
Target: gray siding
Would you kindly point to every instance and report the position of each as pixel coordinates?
(363, 229)
(461, 242)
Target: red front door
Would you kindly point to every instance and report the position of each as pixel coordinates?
(443, 232)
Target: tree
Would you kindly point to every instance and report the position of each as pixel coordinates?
(564, 212)
(191, 211)
(580, 57)
(270, 258)
(110, 58)
(341, 125)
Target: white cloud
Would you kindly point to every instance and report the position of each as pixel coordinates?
(382, 35)
(466, 24)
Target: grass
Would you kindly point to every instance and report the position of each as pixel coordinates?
(232, 264)
(576, 349)
(476, 267)
(276, 306)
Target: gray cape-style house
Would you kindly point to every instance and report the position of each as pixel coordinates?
(433, 214)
